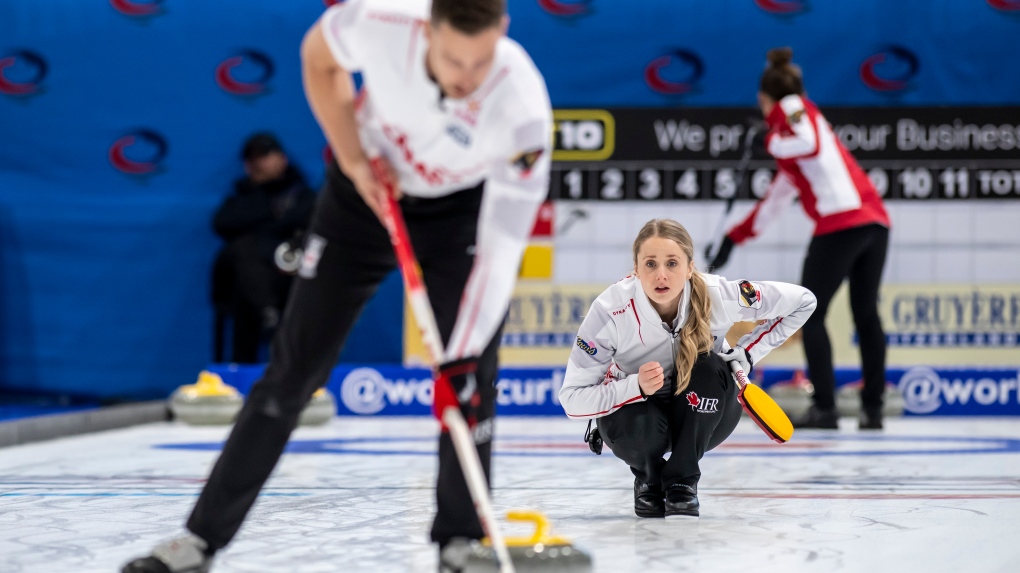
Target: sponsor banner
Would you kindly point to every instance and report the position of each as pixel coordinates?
(544, 314)
(937, 325)
(952, 316)
(941, 325)
(935, 391)
(681, 153)
(400, 391)
(959, 392)
(541, 325)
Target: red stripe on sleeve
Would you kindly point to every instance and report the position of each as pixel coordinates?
(756, 340)
(624, 403)
(474, 312)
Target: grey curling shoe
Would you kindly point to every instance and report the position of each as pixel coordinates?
(185, 554)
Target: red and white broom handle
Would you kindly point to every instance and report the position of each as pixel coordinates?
(418, 298)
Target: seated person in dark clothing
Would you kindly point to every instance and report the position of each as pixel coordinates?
(261, 222)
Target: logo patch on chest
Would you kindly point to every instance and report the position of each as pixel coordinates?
(459, 134)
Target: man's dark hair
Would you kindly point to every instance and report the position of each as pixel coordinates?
(260, 145)
(468, 16)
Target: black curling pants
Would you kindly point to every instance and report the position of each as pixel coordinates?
(858, 255)
(355, 255)
(688, 425)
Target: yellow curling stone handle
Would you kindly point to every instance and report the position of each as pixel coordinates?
(209, 384)
(542, 534)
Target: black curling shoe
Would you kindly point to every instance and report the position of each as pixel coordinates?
(818, 419)
(871, 419)
(648, 500)
(682, 502)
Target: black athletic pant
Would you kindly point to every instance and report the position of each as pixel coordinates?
(641, 433)
(318, 317)
(857, 254)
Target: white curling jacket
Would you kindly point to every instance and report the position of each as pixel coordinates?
(834, 191)
(622, 331)
(438, 145)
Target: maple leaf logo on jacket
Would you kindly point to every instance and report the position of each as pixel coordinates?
(693, 399)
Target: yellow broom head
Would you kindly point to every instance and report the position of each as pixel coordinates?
(766, 413)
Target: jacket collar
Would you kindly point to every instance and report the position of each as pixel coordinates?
(648, 312)
(684, 308)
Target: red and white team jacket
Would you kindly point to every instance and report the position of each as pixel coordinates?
(834, 190)
(622, 331)
(437, 145)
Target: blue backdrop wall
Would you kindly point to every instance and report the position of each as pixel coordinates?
(120, 123)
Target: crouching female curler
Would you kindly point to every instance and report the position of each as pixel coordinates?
(651, 363)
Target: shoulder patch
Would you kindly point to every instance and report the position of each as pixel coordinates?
(750, 295)
(589, 349)
(796, 116)
(526, 160)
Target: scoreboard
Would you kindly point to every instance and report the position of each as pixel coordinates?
(692, 154)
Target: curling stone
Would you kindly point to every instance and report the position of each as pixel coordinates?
(848, 400)
(206, 402)
(320, 409)
(793, 396)
(540, 553)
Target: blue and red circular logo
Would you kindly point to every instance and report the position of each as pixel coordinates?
(566, 8)
(246, 73)
(138, 153)
(22, 73)
(675, 73)
(1005, 5)
(138, 8)
(782, 7)
(890, 70)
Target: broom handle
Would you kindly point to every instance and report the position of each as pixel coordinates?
(418, 297)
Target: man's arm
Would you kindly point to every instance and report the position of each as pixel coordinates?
(514, 191)
(331, 96)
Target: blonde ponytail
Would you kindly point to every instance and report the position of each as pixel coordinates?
(696, 336)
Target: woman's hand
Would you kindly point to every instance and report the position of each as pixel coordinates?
(650, 378)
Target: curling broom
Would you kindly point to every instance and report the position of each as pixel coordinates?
(418, 299)
(762, 408)
(571, 559)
